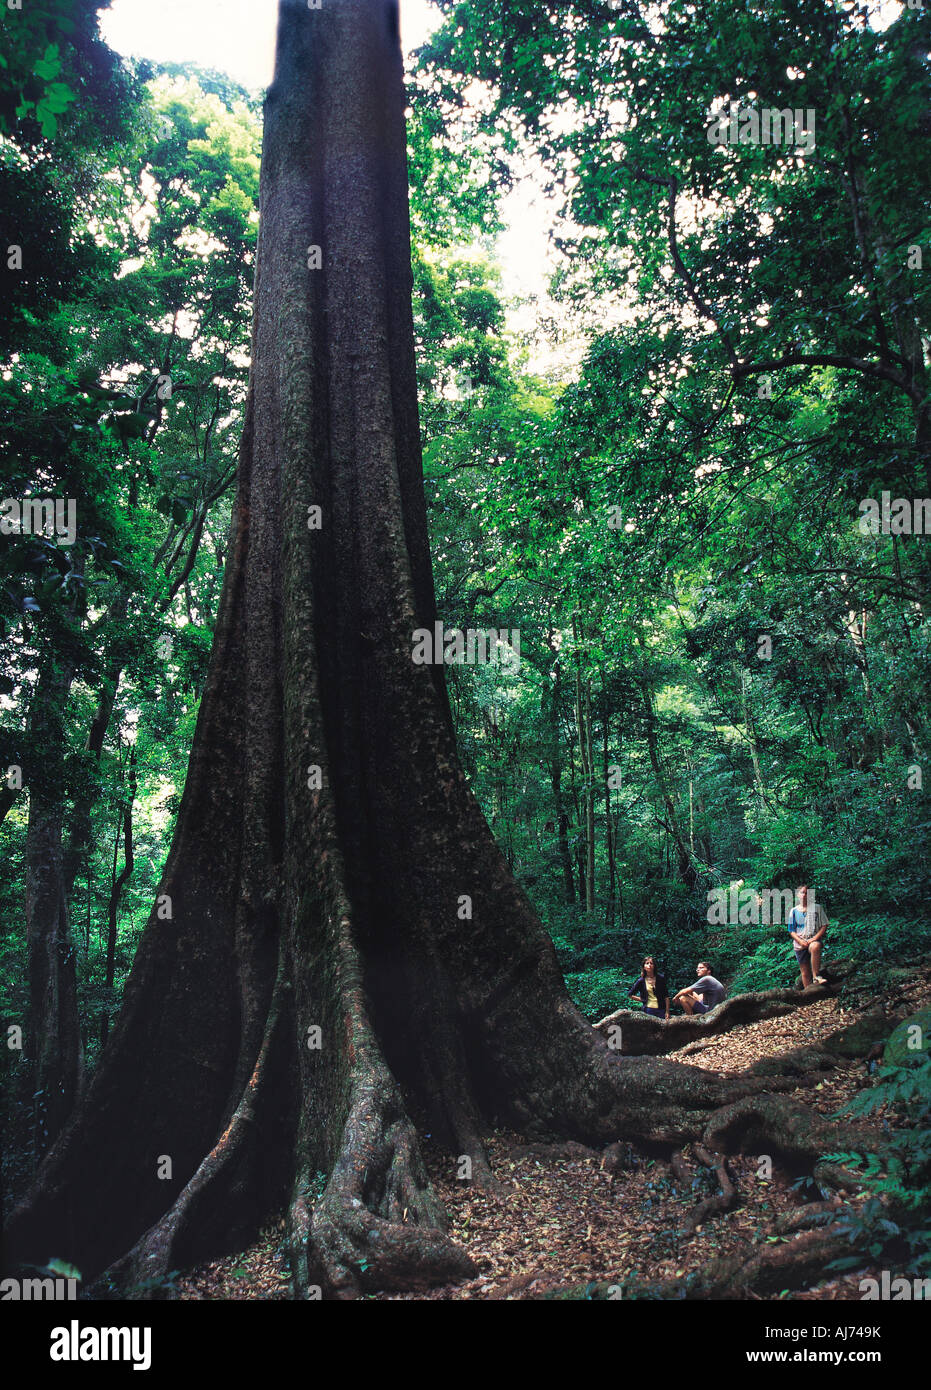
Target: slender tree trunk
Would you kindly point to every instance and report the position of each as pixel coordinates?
(80, 836)
(583, 715)
(673, 831)
(53, 1037)
(609, 822)
(555, 764)
(704, 840)
(691, 814)
(589, 805)
(113, 908)
(751, 737)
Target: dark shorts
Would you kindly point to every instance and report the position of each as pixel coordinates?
(802, 952)
(700, 1008)
(657, 1013)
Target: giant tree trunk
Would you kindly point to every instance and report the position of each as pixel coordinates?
(371, 903)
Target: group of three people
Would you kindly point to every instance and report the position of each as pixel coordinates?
(807, 925)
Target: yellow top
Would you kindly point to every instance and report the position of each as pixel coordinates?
(651, 995)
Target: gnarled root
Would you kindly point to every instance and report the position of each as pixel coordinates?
(722, 1201)
(835, 1177)
(795, 1265)
(804, 1062)
(215, 1197)
(776, 1125)
(378, 1224)
(571, 1149)
(809, 1217)
(642, 1035)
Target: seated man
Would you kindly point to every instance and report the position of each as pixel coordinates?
(807, 924)
(706, 992)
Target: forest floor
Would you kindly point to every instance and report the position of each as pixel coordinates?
(558, 1222)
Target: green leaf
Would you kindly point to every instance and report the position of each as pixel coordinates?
(58, 96)
(49, 65)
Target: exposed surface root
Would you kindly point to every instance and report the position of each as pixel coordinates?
(569, 1149)
(791, 1133)
(805, 1062)
(794, 1265)
(722, 1201)
(377, 1227)
(637, 1034)
(619, 1158)
(809, 1217)
(378, 1223)
(142, 1272)
(834, 1177)
(681, 1170)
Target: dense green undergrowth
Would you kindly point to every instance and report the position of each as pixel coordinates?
(746, 959)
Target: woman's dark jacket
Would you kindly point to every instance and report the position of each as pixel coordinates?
(659, 985)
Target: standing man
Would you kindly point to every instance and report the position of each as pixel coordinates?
(706, 992)
(808, 923)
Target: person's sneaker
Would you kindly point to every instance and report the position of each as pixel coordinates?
(820, 980)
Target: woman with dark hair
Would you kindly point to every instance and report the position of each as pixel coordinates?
(652, 990)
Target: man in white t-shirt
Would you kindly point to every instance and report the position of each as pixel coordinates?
(807, 924)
